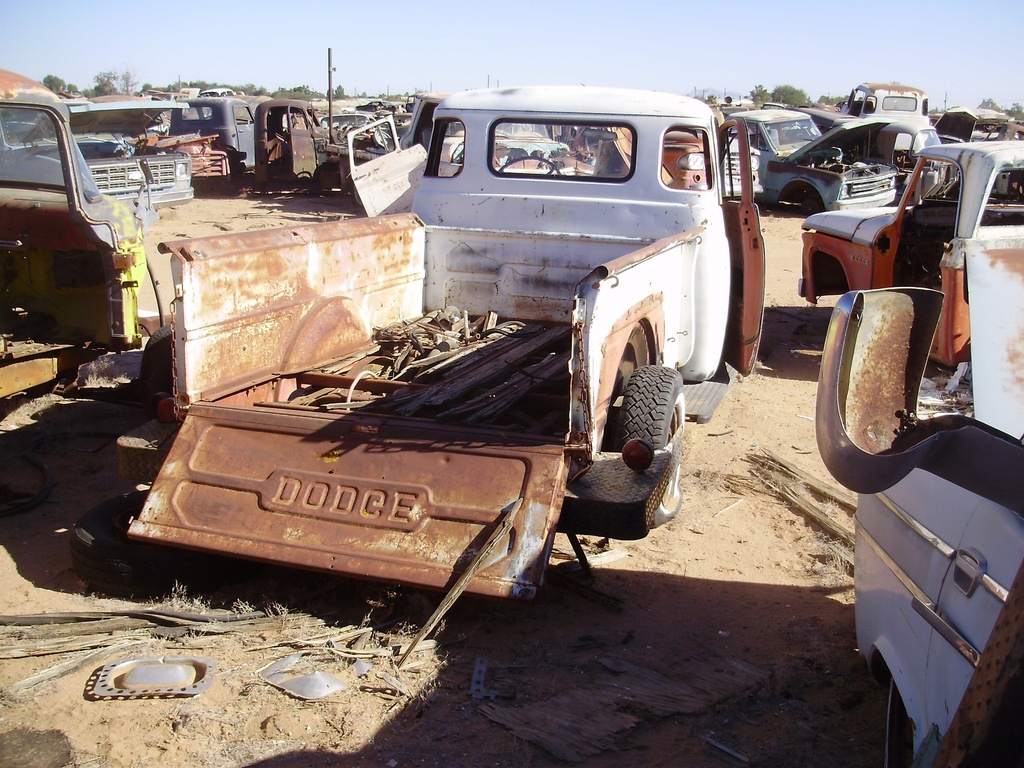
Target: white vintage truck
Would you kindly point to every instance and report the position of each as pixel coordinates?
(379, 397)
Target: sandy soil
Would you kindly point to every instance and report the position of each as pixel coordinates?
(728, 630)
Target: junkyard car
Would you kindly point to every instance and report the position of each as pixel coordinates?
(72, 258)
(291, 146)
(294, 150)
(778, 132)
(960, 199)
(113, 139)
(377, 106)
(835, 171)
(960, 124)
(940, 534)
(229, 120)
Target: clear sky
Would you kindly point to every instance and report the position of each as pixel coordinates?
(958, 52)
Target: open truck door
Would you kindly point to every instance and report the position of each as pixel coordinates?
(384, 183)
(746, 247)
(303, 149)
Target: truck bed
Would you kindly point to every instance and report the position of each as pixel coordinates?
(450, 369)
(331, 425)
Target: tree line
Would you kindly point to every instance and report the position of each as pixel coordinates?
(126, 83)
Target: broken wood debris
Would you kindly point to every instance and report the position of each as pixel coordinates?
(802, 492)
(722, 748)
(504, 356)
(83, 638)
(500, 531)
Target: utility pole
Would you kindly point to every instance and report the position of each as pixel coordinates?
(330, 92)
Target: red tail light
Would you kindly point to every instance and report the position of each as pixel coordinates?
(638, 454)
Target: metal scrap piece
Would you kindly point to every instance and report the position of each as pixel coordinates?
(154, 677)
(315, 685)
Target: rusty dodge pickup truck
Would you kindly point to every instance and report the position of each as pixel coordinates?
(402, 397)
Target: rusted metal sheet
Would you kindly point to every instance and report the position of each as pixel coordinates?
(377, 497)
(206, 161)
(262, 303)
(746, 249)
(952, 344)
(873, 361)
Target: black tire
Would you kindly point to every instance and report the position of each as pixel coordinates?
(156, 371)
(653, 408)
(649, 409)
(109, 562)
(899, 732)
(811, 203)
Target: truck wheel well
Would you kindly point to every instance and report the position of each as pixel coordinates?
(637, 352)
(829, 276)
(803, 194)
(878, 668)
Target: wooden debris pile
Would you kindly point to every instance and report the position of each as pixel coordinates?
(806, 494)
(82, 639)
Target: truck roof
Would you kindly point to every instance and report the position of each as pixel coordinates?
(562, 99)
(893, 88)
(18, 88)
(995, 153)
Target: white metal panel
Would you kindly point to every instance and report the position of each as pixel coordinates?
(995, 274)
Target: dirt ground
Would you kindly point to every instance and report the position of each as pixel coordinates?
(724, 638)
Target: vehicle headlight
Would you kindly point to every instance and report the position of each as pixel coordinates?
(755, 161)
(694, 161)
(181, 170)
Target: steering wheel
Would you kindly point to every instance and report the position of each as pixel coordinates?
(552, 167)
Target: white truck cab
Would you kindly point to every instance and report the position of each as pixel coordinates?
(887, 100)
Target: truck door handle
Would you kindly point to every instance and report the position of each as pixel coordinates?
(969, 570)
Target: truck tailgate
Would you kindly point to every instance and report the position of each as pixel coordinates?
(380, 497)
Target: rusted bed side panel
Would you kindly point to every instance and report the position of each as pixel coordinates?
(261, 303)
(389, 498)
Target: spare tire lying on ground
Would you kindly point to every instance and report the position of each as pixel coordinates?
(109, 562)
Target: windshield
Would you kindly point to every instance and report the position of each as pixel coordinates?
(788, 135)
(30, 153)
